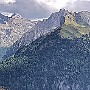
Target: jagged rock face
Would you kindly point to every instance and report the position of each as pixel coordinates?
(85, 15)
(43, 27)
(13, 30)
(83, 18)
(57, 19)
(74, 25)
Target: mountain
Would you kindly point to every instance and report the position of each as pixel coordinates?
(12, 30)
(83, 18)
(60, 19)
(7, 14)
(49, 63)
(74, 25)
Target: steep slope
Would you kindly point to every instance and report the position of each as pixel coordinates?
(73, 26)
(12, 30)
(49, 63)
(57, 19)
(83, 18)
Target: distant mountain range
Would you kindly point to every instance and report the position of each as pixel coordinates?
(74, 25)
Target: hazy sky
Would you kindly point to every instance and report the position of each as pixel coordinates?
(38, 9)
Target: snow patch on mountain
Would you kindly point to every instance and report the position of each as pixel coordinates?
(7, 14)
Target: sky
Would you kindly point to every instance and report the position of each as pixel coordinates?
(38, 9)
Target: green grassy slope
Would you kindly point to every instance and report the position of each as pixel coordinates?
(71, 29)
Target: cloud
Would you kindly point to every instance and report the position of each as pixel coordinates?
(78, 5)
(33, 9)
(28, 8)
(7, 1)
(57, 4)
(38, 9)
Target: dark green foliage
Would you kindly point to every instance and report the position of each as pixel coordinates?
(2, 52)
(49, 63)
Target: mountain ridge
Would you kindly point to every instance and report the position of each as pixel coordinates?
(12, 30)
(74, 25)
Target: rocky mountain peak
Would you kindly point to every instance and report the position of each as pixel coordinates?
(74, 25)
(15, 15)
(74, 18)
(57, 19)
